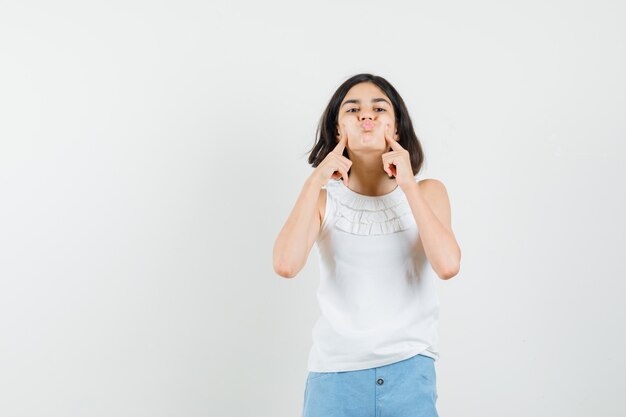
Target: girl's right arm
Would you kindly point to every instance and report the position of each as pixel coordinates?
(296, 238)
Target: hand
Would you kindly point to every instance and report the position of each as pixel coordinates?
(334, 165)
(397, 162)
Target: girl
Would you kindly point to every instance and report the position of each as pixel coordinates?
(383, 238)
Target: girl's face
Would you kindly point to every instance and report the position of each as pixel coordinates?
(365, 112)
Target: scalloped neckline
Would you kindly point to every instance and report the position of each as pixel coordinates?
(369, 197)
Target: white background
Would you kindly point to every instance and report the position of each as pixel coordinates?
(151, 151)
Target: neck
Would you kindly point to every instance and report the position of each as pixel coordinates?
(367, 176)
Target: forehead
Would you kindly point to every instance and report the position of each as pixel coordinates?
(364, 94)
(365, 90)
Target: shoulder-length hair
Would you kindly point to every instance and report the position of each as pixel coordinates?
(326, 138)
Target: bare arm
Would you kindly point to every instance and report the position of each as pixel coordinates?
(431, 208)
(296, 238)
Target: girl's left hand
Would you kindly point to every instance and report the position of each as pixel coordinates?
(397, 162)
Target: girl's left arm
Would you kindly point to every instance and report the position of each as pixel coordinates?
(431, 208)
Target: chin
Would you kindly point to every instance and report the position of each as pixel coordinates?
(365, 148)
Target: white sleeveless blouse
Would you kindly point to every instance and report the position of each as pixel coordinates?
(377, 292)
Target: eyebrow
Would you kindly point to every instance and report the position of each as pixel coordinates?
(374, 100)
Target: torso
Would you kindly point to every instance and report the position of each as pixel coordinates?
(371, 319)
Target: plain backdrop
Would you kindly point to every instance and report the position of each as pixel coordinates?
(150, 153)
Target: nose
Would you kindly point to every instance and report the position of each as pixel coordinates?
(365, 114)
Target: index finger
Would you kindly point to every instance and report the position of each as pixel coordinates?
(391, 141)
(342, 142)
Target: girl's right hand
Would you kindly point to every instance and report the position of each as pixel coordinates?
(335, 165)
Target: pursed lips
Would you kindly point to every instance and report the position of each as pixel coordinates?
(367, 125)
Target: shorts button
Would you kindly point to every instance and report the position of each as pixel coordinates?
(380, 381)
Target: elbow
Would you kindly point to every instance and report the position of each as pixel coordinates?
(281, 263)
(449, 272)
(284, 270)
(452, 269)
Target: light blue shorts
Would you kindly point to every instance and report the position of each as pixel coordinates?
(404, 388)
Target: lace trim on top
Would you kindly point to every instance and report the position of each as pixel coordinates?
(370, 215)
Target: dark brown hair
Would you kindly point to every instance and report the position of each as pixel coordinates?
(326, 138)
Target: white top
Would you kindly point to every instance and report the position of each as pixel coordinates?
(377, 292)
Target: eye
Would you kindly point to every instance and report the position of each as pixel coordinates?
(354, 108)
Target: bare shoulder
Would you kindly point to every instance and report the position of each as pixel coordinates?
(433, 187)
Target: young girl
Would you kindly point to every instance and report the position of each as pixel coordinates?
(384, 237)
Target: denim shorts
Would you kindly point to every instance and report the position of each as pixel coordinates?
(404, 388)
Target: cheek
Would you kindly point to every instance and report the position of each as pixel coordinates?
(348, 120)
